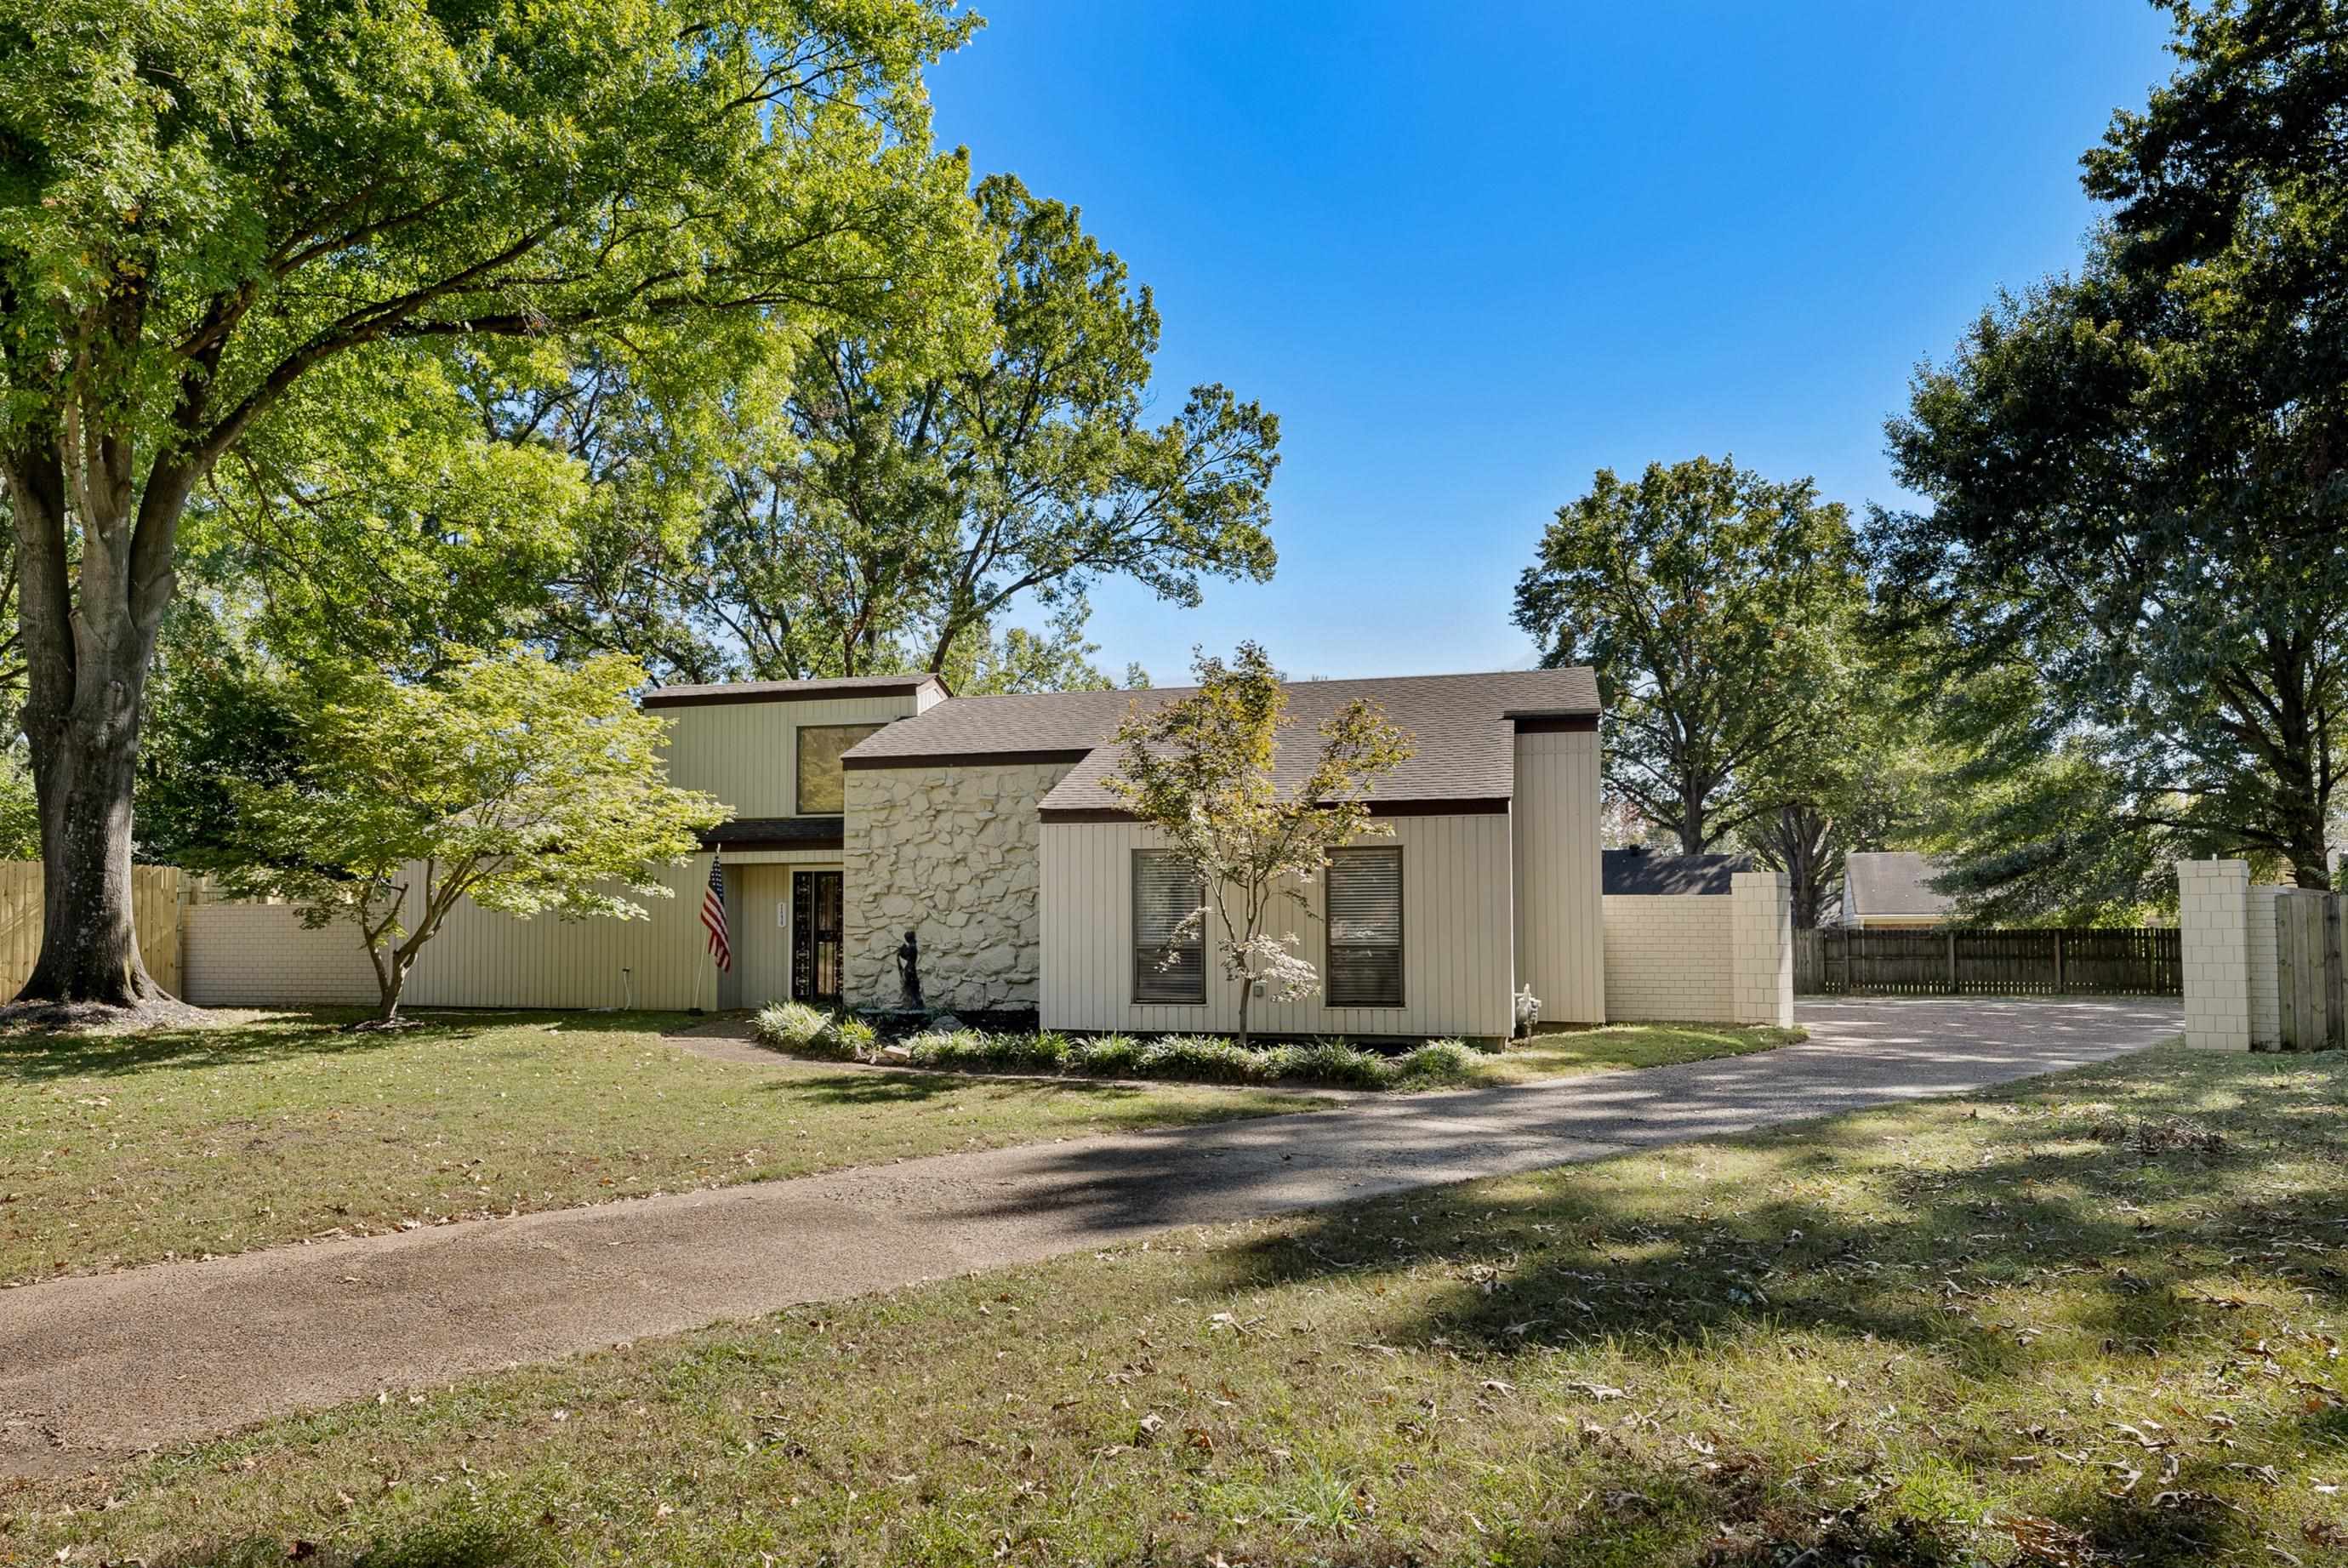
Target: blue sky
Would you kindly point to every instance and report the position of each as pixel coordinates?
(1471, 253)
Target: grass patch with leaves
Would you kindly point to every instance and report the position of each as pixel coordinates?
(179, 1143)
(802, 1030)
(2088, 1318)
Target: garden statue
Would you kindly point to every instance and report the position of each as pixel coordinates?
(908, 972)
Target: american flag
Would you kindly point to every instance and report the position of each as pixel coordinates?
(713, 915)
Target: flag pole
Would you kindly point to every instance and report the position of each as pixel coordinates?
(697, 958)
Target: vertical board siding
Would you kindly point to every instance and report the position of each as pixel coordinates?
(1671, 956)
(1559, 920)
(1457, 947)
(155, 906)
(1950, 962)
(483, 959)
(758, 918)
(747, 754)
(2311, 952)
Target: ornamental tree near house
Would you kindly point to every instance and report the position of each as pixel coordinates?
(1201, 769)
(524, 785)
(215, 216)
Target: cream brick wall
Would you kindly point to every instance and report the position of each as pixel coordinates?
(1763, 904)
(2213, 915)
(953, 853)
(1701, 958)
(1669, 956)
(260, 955)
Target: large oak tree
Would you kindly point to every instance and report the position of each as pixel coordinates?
(2139, 475)
(1715, 606)
(218, 216)
(894, 502)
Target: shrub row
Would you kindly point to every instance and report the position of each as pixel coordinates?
(1198, 1058)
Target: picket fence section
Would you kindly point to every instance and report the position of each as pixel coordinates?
(155, 904)
(2145, 961)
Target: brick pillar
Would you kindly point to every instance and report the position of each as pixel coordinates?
(1761, 925)
(2213, 918)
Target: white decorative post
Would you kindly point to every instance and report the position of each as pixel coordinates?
(1762, 927)
(2213, 918)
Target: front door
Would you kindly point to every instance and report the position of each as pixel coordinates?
(815, 937)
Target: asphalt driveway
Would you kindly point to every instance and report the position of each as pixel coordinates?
(158, 1354)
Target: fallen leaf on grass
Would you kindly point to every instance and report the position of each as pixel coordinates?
(2044, 1540)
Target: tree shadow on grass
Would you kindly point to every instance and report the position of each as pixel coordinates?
(457, 1544)
(40, 1056)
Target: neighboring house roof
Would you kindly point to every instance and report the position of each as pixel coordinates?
(1462, 728)
(774, 834)
(1645, 873)
(1884, 883)
(790, 691)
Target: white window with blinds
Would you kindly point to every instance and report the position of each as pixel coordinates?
(1364, 926)
(1169, 937)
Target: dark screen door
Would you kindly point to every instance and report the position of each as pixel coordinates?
(814, 936)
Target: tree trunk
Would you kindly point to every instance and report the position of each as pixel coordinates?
(83, 770)
(90, 632)
(1247, 989)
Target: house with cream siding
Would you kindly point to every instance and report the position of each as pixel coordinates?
(867, 809)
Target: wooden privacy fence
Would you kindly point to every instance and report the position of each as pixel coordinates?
(2311, 969)
(155, 902)
(2145, 961)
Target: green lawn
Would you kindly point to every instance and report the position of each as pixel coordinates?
(2063, 1323)
(133, 1149)
(1562, 1051)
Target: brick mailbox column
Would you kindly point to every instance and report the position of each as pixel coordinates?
(2213, 918)
(1761, 939)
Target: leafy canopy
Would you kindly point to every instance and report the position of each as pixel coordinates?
(2139, 475)
(508, 779)
(896, 501)
(1715, 607)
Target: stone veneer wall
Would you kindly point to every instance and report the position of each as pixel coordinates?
(952, 854)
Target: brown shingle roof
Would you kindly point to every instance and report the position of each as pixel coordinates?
(788, 691)
(1892, 883)
(1461, 727)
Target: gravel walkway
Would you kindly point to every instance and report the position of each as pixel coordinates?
(104, 1363)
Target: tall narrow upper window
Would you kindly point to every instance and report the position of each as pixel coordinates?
(1365, 928)
(822, 791)
(1169, 946)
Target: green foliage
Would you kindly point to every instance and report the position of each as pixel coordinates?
(1188, 1058)
(287, 251)
(217, 714)
(1059, 658)
(897, 497)
(524, 787)
(20, 813)
(791, 1026)
(1201, 769)
(2052, 839)
(1716, 609)
(2139, 498)
(855, 1039)
(1438, 1062)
